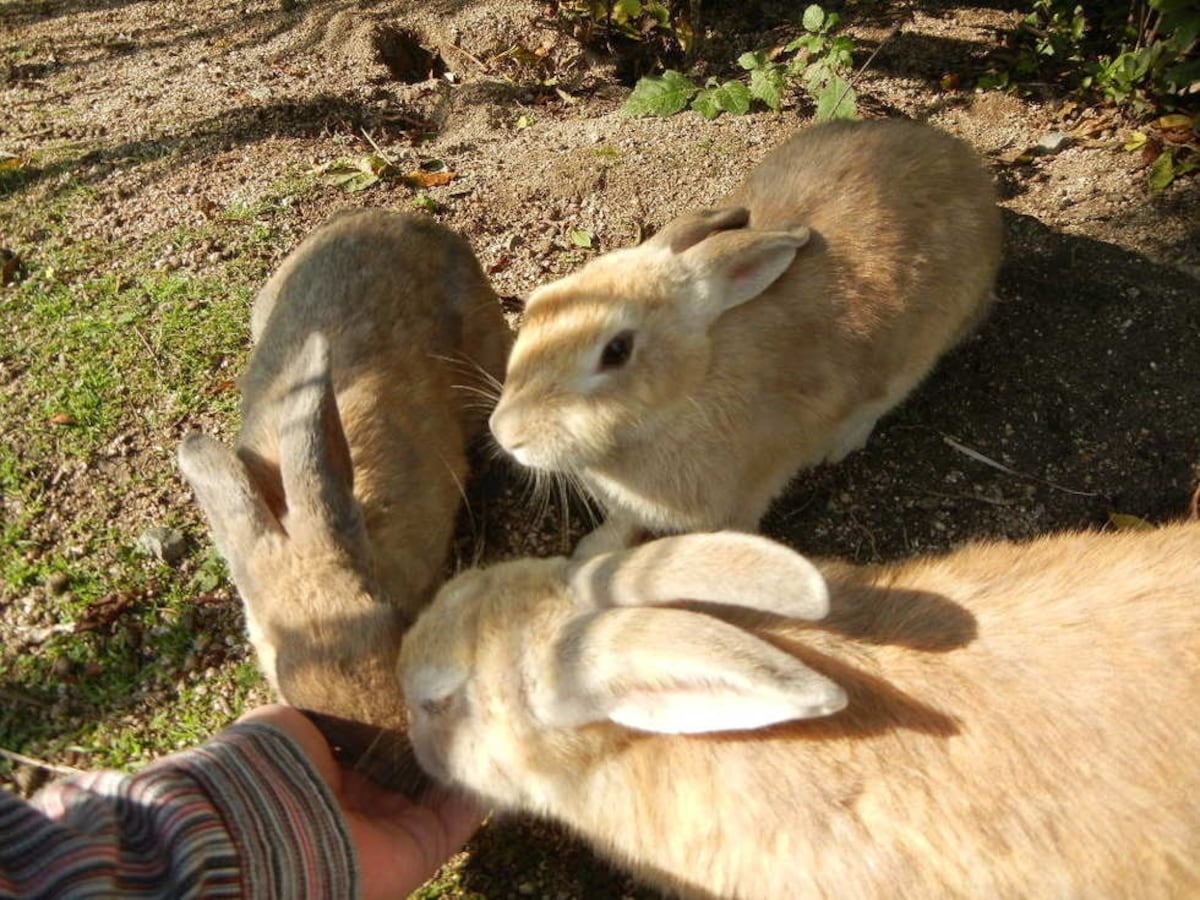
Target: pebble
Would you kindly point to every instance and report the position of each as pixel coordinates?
(57, 583)
(166, 544)
(1054, 142)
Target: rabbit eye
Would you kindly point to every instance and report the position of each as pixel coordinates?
(617, 351)
(437, 706)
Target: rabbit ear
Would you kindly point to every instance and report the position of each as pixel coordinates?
(236, 510)
(725, 567)
(677, 672)
(691, 228)
(729, 268)
(314, 458)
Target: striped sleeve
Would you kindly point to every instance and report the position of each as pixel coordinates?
(243, 815)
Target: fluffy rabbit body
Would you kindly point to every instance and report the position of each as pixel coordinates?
(1005, 721)
(336, 511)
(685, 380)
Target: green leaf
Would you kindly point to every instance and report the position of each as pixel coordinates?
(836, 100)
(660, 96)
(841, 51)
(732, 97)
(580, 238)
(816, 75)
(767, 85)
(814, 18)
(661, 14)
(706, 103)
(624, 10)
(752, 60)
(423, 201)
(812, 43)
(1162, 171)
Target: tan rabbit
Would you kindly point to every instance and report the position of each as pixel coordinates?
(685, 381)
(336, 511)
(1005, 721)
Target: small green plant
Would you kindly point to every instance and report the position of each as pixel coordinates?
(818, 60)
(1169, 148)
(636, 20)
(823, 61)
(1140, 53)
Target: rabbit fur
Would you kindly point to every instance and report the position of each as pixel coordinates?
(686, 380)
(336, 510)
(1003, 721)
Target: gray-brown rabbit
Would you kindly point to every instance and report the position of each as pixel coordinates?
(336, 511)
(685, 381)
(1006, 721)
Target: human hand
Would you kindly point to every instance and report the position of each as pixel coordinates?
(400, 844)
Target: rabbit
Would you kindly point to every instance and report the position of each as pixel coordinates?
(685, 381)
(1008, 720)
(336, 510)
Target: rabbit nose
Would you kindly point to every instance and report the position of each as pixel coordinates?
(503, 429)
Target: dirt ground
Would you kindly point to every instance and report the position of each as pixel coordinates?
(1078, 399)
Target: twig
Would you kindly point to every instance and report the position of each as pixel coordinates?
(370, 140)
(988, 461)
(24, 760)
(990, 500)
(472, 57)
(146, 344)
(1194, 506)
(870, 59)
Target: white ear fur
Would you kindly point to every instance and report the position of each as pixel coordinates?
(677, 672)
(726, 567)
(729, 268)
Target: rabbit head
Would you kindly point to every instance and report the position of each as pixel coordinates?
(508, 662)
(601, 352)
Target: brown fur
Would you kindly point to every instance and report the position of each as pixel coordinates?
(718, 408)
(405, 312)
(1021, 722)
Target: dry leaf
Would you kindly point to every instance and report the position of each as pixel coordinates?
(1137, 140)
(1127, 522)
(1176, 128)
(420, 179)
(1151, 150)
(104, 612)
(62, 419)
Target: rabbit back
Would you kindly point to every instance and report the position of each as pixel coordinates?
(905, 246)
(407, 313)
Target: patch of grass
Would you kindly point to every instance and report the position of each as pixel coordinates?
(107, 657)
(96, 351)
(119, 642)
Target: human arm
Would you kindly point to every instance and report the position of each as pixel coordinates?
(260, 810)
